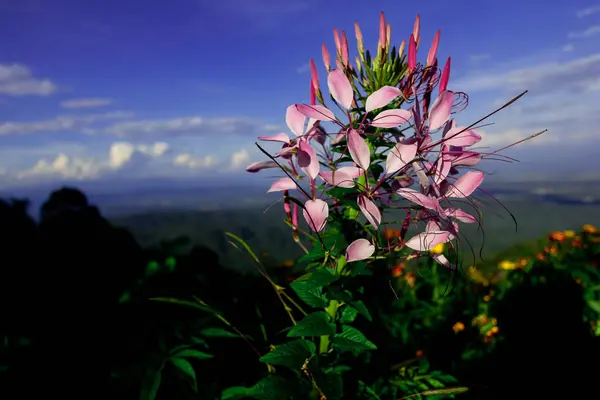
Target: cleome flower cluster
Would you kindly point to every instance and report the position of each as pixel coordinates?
(382, 143)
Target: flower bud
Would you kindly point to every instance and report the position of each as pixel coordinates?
(416, 29)
(359, 40)
(326, 57)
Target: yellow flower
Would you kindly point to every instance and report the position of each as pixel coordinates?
(569, 234)
(288, 263)
(487, 298)
(507, 265)
(589, 228)
(458, 327)
(437, 249)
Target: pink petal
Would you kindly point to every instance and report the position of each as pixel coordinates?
(359, 250)
(320, 113)
(427, 240)
(295, 120)
(316, 213)
(359, 149)
(399, 156)
(466, 184)
(460, 215)
(381, 97)
(440, 110)
(441, 259)
(463, 139)
(391, 118)
(337, 178)
(445, 77)
(280, 137)
(307, 159)
(353, 172)
(369, 210)
(430, 203)
(282, 184)
(442, 168)
(433, 49)
(434, 225)
(412, 53)
(257, 166)
(340, 88)
(464, 158)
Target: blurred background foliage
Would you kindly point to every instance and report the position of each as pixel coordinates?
(86, 310)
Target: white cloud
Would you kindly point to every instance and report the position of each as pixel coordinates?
(239, 159)
(589, 32)
(568, 47)
(194, 162)
(192, 125)
(60, 123)
(562, 98)
(120, 156)
(91, 102)
(18, 80)
(576, 74)
(588, 11)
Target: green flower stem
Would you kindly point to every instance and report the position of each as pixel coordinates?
(332, 311)
(332, 308)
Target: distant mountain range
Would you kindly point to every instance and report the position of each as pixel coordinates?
(122, 198)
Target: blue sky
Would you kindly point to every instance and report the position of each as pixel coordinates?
(100, 89)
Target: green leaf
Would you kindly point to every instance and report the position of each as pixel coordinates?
(271, 387)
(362, 309)
(152, 268)
(321, 277)
(351, 212)
(315, 324)
(351, 339)
(199, 341)
(170, 263)
(314, 254)
(217, 332)
(594, 305)
(186, 303)
(196, 354)
(292, 354)
(151, 384)
(244, 245)
(339, 294)
(349, 314)
(309, 293)
(187, 369)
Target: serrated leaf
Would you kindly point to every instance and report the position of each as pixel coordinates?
(362, 309)
(187, 369)
(351, 339)
(217, 332)
(314, 254)
(338, 293)
(315, 324)
(309, 293)
(348, 315)
(292, 354)
(195, 354)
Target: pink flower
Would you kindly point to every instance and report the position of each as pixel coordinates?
(359, 250)
(316, 213)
